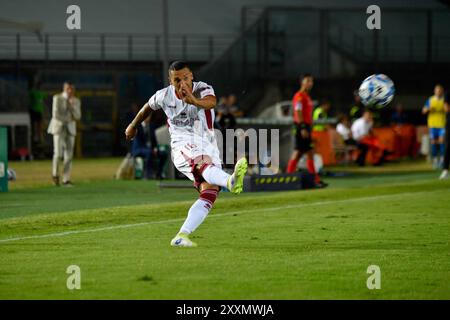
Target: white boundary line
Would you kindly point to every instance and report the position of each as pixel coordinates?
(125, 226)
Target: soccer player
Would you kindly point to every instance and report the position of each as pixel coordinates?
(434, 107)
(189, 107)
(303, 120)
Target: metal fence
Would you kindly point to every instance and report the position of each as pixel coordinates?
(110, 47)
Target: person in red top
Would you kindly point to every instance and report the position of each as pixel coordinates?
(303, 120)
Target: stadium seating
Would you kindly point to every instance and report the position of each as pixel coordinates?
(403, 141)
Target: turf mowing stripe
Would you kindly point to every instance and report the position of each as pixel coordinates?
(124, 226)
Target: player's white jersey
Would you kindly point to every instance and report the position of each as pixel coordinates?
(185, 120)
(191, 128)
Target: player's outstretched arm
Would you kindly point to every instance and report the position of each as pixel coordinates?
(131, 130)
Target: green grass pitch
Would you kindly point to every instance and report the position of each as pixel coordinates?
(282, 245)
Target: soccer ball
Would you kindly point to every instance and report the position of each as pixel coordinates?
(376, 91)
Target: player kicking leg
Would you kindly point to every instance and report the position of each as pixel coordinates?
(209, 178)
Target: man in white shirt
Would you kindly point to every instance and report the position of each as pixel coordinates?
(362, 133)
(66, 110)
(189, 107)
(362, 127)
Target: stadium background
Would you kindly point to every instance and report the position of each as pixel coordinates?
(253, 49)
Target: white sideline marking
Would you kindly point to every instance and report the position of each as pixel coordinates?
(124, 226)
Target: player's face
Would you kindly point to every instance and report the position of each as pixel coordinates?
(179, 78)
(438, 91)
(307, 83)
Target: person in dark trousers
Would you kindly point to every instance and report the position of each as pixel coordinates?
(145, 145)
(446, 164)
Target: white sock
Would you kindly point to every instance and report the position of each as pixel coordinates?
(197, 213)
(214, 175)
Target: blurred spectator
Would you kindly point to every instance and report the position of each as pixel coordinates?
(66, 111)
(363, 134)
(233, 107)
(343, 129)
(37, 107)
(145, 145)
(221, 105)
(357, 108)
(227, 111)
(160, 153)
(227, 121)
(134, 109)
(398, 116)
(321, 113)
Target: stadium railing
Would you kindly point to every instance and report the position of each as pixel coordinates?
(110, 46)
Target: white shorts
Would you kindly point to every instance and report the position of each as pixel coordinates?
(187, 152)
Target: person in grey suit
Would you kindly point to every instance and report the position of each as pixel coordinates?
(66, 110)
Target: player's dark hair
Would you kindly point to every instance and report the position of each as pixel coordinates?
(178, 65)
(305, 75)
(68, 82)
